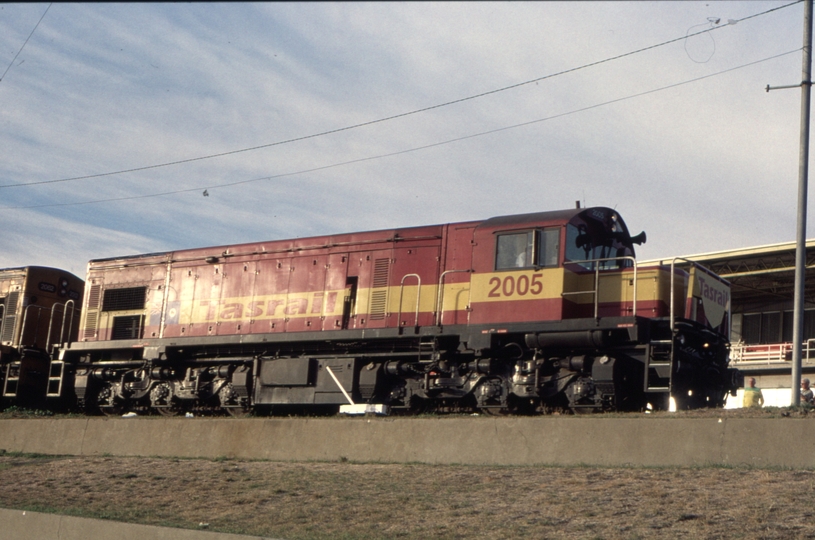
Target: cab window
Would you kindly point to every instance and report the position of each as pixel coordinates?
(591, 250)
(514, 251)
(549, 247)
(528, 249)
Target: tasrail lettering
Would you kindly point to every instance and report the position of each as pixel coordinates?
(714, 294)
(319, 303)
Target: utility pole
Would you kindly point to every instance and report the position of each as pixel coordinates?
(803, 173)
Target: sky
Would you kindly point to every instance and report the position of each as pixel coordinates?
(148, 127)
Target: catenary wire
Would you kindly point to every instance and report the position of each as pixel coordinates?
(409, 150)
(400, 115)
(3, 76)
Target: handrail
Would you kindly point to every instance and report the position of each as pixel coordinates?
(62, 327)
(71, 325)
(418, 296)
(596, 292)
(2, 318)
(438, 312)
(25, 316)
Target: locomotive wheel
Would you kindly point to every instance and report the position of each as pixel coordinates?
(114, 410)
(168, 411)
(513, 406)
(105, 402)
(495, 411)
(238, 412)
(231, 402)
(162, 400)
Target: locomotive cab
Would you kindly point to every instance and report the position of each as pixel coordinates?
(550, 266)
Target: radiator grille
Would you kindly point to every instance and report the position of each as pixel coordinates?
(127, 327)
(124, 299)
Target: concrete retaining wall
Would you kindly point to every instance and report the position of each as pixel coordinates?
(466, 440)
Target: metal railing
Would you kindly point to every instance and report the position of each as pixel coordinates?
(69, 303)
(596, 291)
(438, 309)
(418, 296)
(25, 320)
(768, 353)
(438, 312)
(40, 309)
(705, 270)
(775, 353)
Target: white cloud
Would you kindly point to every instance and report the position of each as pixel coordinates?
(103, 87)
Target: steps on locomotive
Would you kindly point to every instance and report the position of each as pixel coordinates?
(11, 379)
(658, 366)
(428, 347)
(55, 378)
(33, 378)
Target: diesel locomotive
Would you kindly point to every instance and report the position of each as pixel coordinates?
(527, 313)
(39, 309)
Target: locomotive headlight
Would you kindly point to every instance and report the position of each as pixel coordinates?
(706, 345)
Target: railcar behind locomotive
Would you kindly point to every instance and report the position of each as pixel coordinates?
(520, 313)
(39, 309)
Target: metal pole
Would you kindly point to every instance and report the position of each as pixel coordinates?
(803, 170)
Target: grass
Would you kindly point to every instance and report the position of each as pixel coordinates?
(344, 500)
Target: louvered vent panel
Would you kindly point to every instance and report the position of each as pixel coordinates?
(92, 315)
(10, 318)
(91, 320)
(379, 292)
(94, 296)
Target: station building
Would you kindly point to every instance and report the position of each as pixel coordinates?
(762, 295)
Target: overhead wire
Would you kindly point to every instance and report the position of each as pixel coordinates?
(400, 115)
(409, 150)
(3, 76)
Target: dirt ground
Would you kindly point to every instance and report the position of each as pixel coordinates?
(361, 501)
(346, 500)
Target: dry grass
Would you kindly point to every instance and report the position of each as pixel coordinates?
(299, 501)
(360, 501)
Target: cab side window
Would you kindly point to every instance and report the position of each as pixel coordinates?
(515, 250)
(549, 247)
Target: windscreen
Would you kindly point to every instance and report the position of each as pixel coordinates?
(598, 237)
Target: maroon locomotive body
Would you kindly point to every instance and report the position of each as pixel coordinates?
(39, 310)
(518, 313)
